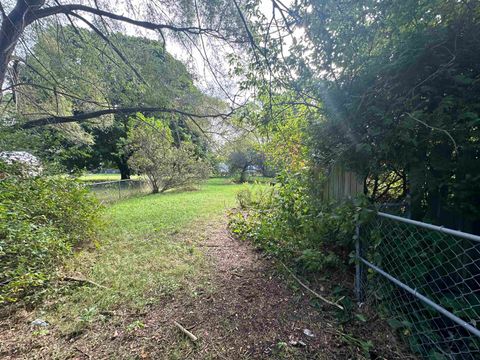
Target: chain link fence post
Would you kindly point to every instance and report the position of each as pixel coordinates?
(359, 267)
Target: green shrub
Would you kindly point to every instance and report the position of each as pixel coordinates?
(290, 222)
(314, 261)
(41, 220)
(244, 198)
(254, 197)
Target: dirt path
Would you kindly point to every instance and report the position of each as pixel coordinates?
(247, 310)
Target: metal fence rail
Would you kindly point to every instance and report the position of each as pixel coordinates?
(111, 191)
(426, 280)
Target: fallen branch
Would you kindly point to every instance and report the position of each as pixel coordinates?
(310, 290)
(185, 331)
(71, 278)
(82, 352)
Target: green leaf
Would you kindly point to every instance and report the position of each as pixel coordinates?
(361, 317)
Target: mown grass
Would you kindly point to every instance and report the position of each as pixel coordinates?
(147, 251)
(102, 177)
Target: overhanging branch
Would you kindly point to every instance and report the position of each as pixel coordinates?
(53, 120)
(71, 8)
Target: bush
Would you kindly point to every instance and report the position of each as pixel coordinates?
(290, 223)
(260, 198)
(41, 220)
(166, 164)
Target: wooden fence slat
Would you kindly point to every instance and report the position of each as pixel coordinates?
(341, 184)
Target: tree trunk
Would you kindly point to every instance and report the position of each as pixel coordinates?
(243, 174)
(12, 29)
(125, 171)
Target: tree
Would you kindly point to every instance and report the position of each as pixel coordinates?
(156, 155)
(243, 155)
(407, 101)
(170, 84)
(182, 23)
(394, 95)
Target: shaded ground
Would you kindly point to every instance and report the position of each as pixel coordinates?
(245, 310)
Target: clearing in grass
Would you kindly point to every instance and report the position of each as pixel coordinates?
(104, 177)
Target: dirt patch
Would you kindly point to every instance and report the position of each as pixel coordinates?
(247, 310)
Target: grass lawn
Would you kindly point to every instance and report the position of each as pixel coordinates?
(147, 250)
(115, 177)
(103, 177)
(167, 257)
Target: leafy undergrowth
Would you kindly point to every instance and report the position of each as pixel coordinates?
(42, 220)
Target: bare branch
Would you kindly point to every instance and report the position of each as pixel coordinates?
(69, 9)
(53, 89)
(2, 11)
(455, 147)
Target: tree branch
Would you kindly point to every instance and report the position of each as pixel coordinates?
(69, 9)
(455, 147)
(112, 46)
(52, 120)
(2, 12)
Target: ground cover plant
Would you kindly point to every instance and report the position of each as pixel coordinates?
(42, 220)
(290, 222)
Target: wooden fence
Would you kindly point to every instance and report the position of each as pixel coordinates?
(341, 184)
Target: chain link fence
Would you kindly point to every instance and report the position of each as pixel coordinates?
(111, 191)
(426, 280)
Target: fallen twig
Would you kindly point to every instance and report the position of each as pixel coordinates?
(310, 290)
(214, 245)
(83, 352)
(71, 278)
(185, 331)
